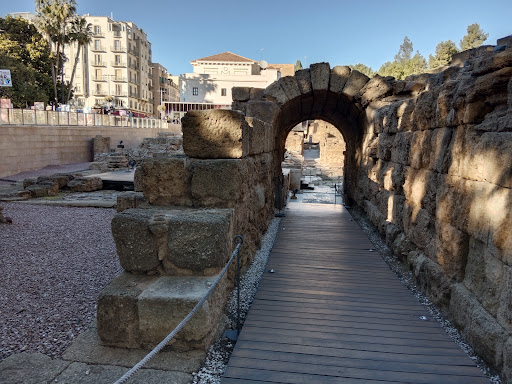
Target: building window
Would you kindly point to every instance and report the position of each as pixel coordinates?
(223, 92)
(195, 91)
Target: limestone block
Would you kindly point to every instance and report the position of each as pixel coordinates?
(425, 112)
(385, 145)
(440, 143)
(241, 93)
(266, 111)
(258, 137)
(164, 304)
(374, 89)
(101, 144)
(405, 114)
(482, 330)
(303, 78)
(418, 226)
(402, 246)
(274, 92)
(421, 149)
(292, 91)
(420, 188)
(257, 93)
(29, 182)
(451, 249)
(338, 78)
(118, 316)
(42, 190)
(485, 276)
(452, 202)
(355, 82)
(295, 176)
(165, 181)
(61, 179)
(218, 182)
(136, 246)
(392, 231)
(198, 240)
(258, 197)
(129, 199)
(85, 184)
(320, 74)
(402, 148)
(213, 134)
(431, 278)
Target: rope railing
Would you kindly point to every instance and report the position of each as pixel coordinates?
(236, 253)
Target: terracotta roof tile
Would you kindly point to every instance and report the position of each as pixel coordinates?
(226, 56)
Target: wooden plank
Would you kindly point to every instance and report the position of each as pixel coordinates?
(333, 312)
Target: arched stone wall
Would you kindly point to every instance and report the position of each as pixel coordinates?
(429, 159)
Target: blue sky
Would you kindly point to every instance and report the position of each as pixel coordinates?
(336, 31)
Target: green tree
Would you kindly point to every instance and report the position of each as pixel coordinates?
(81, 33)
(444, 52)
(22, 46)
(404, 64)
(53, 17)
(405, 51)
(474, 37)
(364, 69)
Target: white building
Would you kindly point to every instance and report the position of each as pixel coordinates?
(116, 65)
(215, 76)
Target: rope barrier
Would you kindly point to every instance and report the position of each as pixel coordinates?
(238, 241)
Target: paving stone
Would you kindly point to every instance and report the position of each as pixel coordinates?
(30, 368)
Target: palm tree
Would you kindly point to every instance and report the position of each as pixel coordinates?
(52, 18)
(81, 33)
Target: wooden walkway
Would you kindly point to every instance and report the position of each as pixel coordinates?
(333, 312)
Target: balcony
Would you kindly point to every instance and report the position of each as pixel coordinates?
(98, 34)
(120, 94)
(133, 80)
(98, 48)
(133, 51)
(100, 78)
(133, 66)
(118, 64)
(120, 79)
(98, 63)
(118, 49)
(134, 94)
(117, 33)
(99, 92)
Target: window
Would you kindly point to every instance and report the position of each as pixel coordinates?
(223, 92)
(97, 30)
(195, 91)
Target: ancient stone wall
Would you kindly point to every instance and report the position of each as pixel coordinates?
(436, 179)
(331, 147)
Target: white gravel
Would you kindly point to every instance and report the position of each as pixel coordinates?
(54, 262)
(219, 353)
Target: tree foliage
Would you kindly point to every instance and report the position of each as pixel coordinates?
(26, 53)
(474, 37)
(443, 56)
(364, 69)
(404, 64)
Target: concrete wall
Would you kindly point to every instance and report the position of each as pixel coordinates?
(25, 147)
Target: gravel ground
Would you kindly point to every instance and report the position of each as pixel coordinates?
(54, 262)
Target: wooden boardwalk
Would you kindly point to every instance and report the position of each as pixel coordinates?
(333, 312)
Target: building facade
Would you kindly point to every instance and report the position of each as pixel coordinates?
(214, 76)
(114, 69)
(165, 88)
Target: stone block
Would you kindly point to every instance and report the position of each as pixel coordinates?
(42, 190)
(451, 249)
(257, 137)
(440, 143)
(431, 278)
(241, 93)
(217, 182)
(377, 87)
(164, 181)
(338, 78)
(30, 368)
(198, 241)
(130, 199)
(85, 184)
(136, 246)
(61, 179)
(421, 149)
(274, 92)
(420, 189)
(402, 148)
(355, 82)
(320, 74)
(118, 316)
(506, 373)
(213, 134)
(484, 276)
(303, 78)
(292, 91)
(164, 304)
(266, 111)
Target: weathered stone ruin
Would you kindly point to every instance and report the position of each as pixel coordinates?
(428, 158)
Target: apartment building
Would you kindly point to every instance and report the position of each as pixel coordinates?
(165, 87)
(114, 69)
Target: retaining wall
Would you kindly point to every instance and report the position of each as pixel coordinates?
(26, 147)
